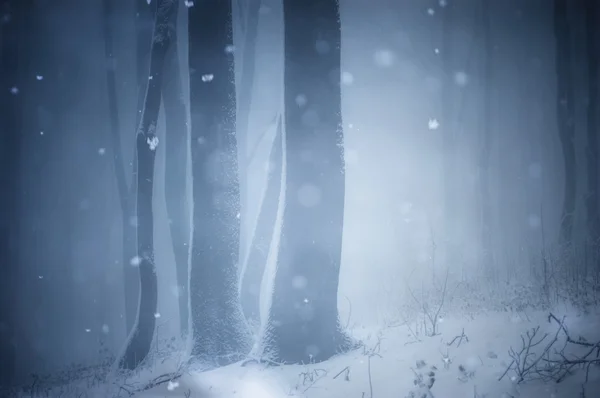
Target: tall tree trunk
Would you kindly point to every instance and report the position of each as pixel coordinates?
(130, 273)
(303, 323)
(140, 338)
(487, 257)
(565, 117)
(449, 140)
(220, 332)
(263, 233)
(12, 30)
(249, 16)
(177, 147)
(593, 196)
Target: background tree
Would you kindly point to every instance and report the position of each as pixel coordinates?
(126, 191)
(140, 338)
(177, 147)
(13, 63)
(219, 329)
(245, 56)
(303, 322)
(593, 197)
(449, 138)
(565, 113)
(263, 233)
(486, 143)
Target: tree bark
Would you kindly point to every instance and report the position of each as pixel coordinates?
(130, 273)
(303, 322)
(140, 338)
(487, 257)
(177, 147)
(12, 32)
(219, 330)
(250, 17)
(565, 118)
(593, 196)
(263, 233)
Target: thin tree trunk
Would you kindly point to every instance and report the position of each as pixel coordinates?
(487, 258)
(565, 118)
(11, 104)
(140, 338)
(130, 273)
(177, 146)
(263, 233)
(219, 330)
(593, 196)
(250, 17)
(303, 323)
(449, 141)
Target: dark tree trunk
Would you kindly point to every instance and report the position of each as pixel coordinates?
(130, 273)
(565, 117)
(140, 338)
(250, 18)
(263, 233)
(303, 323)
(487, 257)
(593, 197)
(219, 330)
(177, 147)
(12, 30)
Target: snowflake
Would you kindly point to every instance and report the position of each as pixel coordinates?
(188, 3)
(152, 142)
(433, 124)
(208, 77)
(135, 261)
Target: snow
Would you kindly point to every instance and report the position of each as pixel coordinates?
(301, 100)
(393, 362)
(384, 58)
(461, 78)
(347, 78)
(208, 77)
(433, 124)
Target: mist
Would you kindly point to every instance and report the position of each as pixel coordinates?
(457, 190)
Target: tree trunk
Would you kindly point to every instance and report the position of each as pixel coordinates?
(11, 69)
(303, 323)
(487, 257)
(565, 117)
(140, 338)
(220, 332)
(177, 146)
(130, 273)
(449, 142)
(593, 196)
(263, 233)
(250, 18)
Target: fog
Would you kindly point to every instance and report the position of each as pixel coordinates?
(410, 76)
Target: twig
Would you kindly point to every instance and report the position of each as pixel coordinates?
(460, 339)
(346, 369)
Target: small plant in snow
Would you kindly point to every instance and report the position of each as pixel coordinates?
(431, 314)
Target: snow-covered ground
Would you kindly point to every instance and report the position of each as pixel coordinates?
(391, 363)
